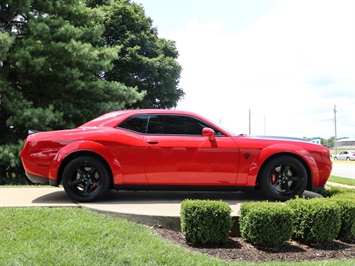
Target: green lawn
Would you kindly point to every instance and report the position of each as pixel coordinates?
(342, 180)
(75, 236)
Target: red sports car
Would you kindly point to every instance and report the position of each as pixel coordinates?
(170, 150)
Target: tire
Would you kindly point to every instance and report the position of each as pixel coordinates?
(283, 178)
(348, 158)
(86, 179)
(335, 158)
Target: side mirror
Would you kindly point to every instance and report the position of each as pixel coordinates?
(208, 132)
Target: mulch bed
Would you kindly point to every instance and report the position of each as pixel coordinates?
(238, 250)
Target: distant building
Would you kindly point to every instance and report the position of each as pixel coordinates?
(316, 141)
(344, 144)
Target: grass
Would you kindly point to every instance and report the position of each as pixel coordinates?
(342, 180)
(75, 236)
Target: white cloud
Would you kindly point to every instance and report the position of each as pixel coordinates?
(289, 61)
(289, 68)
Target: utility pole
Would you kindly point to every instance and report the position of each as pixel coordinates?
(249, 122)
(335, 129)
(264, 125)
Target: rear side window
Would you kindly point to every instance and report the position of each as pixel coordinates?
(137, 123)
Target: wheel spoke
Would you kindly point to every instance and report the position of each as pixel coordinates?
(276, 185)
(78, 181)
(87, 189)
(86, 180)
(285, 186)
(285, 170)
(282, 179)
(293, 178)
(81, 171)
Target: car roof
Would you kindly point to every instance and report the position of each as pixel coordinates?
(110, 119)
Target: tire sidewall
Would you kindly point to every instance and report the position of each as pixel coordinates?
(266, 185)
(72, 167)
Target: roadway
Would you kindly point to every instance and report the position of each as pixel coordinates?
(343, 169)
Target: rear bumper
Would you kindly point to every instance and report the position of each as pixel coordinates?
(41, 180)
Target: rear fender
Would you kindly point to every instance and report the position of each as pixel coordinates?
(90, 146)
(278, 150)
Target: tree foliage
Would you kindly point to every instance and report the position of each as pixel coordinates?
(65, 62)
(145, 61)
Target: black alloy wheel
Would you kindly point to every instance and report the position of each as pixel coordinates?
(86, 179)
(283, 178)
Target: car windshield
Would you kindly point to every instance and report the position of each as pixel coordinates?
(224, 128)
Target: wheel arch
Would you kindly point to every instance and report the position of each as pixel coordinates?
(85, 148)
(78, 154)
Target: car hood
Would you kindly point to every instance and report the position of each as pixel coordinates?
(261, 142)
(278, 138)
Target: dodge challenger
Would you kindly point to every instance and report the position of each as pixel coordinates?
(171, 150)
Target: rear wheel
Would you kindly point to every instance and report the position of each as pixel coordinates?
(86, 179)
(283, 178)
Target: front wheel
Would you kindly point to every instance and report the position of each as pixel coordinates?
(86, 179)
(283, 178)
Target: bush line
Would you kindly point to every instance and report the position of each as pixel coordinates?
(269, 224)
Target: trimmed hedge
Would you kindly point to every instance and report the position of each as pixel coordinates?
(316, 220)
(347, 210)
(266, 224)
(335, 191)
(206, 222)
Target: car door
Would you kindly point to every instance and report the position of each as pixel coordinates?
(176, 153)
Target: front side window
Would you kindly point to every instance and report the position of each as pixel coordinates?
(176, 125)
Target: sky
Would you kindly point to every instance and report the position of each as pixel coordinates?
(265, 67)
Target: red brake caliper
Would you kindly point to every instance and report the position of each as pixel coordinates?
(273, 178)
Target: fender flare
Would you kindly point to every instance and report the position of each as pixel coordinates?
(277, 150)
(86, 146)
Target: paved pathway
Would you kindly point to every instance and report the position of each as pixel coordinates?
(149, 208)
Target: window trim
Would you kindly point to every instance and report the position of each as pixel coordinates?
(149, 115)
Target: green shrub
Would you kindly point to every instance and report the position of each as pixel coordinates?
(11, 170)
(316, 220)
(266, 224)
(345, 195)
(206, 222)
(335, 191)
(347, 209)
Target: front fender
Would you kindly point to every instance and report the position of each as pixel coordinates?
(279, 149)
(90, 146)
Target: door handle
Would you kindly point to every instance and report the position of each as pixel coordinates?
(152, 141)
